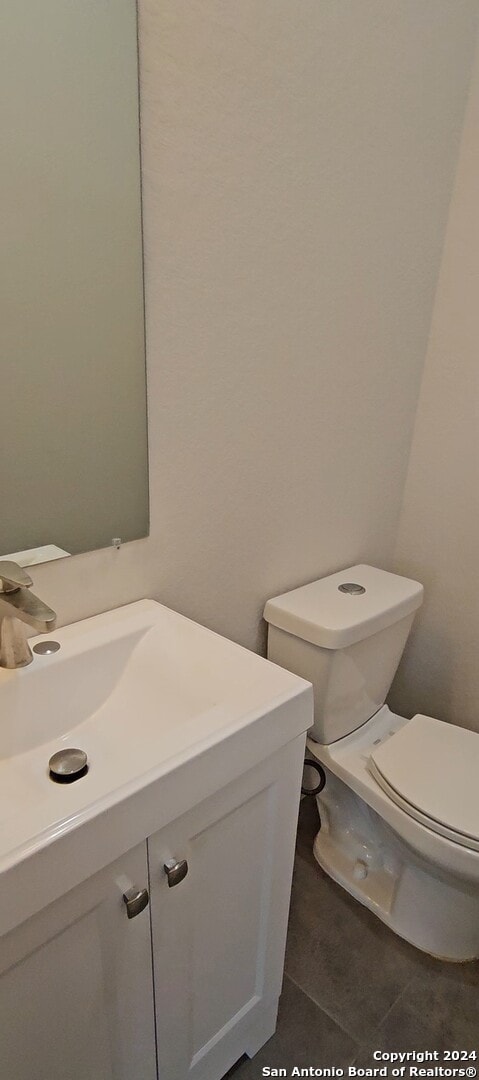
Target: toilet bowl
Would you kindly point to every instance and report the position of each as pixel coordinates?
(399, 810)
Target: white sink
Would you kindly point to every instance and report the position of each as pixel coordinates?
(160, 705)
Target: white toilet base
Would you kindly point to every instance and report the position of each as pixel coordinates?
(435, 912)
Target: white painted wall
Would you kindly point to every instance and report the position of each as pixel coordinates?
(438, 540)
(298, 162)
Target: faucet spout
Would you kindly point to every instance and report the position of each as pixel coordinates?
(30, 609)
(17, 602)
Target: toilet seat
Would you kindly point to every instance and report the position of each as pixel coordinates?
(431, 770)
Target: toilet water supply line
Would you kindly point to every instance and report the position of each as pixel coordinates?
(319, 786)
(322, 778)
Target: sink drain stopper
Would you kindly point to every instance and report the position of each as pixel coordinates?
(68, 765)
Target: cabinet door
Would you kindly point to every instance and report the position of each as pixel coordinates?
(219, 934)
(76, 985)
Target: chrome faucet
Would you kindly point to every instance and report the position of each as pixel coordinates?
(17, 602)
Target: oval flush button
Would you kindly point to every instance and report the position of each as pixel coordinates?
(68, 765)
(351, 587)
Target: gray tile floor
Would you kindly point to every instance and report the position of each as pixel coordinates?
(351, 986)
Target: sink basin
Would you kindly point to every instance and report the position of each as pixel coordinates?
(159, 704)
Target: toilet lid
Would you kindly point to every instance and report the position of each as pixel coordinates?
(431, 770)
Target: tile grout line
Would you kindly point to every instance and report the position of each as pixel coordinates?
(323, 1010)
(377, 1029)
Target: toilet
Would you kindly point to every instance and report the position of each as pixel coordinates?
(399, 809)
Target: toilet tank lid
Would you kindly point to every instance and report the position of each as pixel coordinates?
(325, 614)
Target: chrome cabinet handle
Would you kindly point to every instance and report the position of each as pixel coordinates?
(175, 871)
(135, 900)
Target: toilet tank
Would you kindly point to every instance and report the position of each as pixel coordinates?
(346, 634)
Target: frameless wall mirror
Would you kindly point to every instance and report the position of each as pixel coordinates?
(73, 442)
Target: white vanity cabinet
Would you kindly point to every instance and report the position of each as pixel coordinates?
(80, 981)
(219, 933)
(76, 1000)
